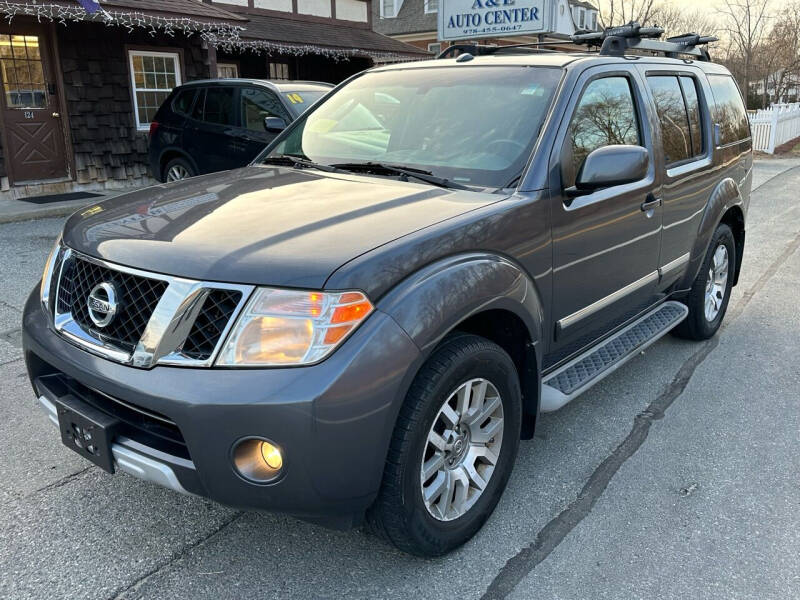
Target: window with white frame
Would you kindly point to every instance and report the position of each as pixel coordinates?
(435, 48)
(581, 18)
(389, 8)
(227, 70)
(153, 75)
(431, 6)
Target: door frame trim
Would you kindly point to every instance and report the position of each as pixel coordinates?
(48, 30)
(599, 305)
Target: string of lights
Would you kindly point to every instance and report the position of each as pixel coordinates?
(221, 35)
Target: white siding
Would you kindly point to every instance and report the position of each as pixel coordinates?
(351, 10)
(320, 8)
(283, 5)
(236, 2)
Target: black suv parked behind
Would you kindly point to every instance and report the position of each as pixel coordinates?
(220, 124)
(365, 322)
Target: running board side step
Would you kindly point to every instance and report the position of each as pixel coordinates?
(578, 375)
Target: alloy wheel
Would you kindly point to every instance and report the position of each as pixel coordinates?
(177, 172)
(717, 282)
(462, 449)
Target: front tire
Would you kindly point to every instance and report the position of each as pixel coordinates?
(452, 449)
(711, 291)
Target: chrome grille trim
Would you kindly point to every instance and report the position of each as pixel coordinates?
(168, 326)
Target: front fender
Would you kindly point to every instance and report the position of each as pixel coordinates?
(725, 195)
(432, 301)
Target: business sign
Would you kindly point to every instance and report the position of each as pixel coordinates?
(469, 19)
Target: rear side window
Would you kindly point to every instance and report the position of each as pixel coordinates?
(183, 101)
(218, 107)
(728, 112)
(605, 116)
(678, 111)
(689, 86)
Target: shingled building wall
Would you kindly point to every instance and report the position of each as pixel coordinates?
(107, 148)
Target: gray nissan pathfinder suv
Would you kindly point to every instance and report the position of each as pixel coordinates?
(360, 326)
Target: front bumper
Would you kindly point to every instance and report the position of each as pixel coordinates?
(333, 420)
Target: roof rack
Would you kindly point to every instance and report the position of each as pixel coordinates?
(616, 41)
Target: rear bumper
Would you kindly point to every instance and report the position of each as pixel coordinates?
(333, 420)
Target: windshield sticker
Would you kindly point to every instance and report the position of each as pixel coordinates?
(295, 98)
(532, 90)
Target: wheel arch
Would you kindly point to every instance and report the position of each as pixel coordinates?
(481, 293)
(171, 153)
(724, 206)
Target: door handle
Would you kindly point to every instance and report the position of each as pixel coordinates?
(56, 115)
(650, 203)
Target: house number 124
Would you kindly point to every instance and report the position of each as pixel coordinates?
(28, 114)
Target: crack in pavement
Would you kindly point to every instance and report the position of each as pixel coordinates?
(554, 532)
(176, 556)
(61, 482)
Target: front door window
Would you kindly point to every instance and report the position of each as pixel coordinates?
(23, 76)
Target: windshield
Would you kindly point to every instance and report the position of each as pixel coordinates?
(472, 125)
(299, 102)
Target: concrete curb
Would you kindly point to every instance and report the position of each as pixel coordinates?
(43, 212)
(13, 211)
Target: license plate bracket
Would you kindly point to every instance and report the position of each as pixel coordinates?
(86, 430)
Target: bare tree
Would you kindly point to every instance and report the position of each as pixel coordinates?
(778, 58)
(745, 24)
(677, 21)
(620, 12)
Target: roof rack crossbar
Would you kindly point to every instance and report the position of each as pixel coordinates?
(616, 41)
(491, 49)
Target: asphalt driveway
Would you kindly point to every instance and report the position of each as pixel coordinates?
(676, 477)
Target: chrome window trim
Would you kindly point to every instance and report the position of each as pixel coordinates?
(170, 323)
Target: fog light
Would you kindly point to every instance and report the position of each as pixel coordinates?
(272, 456)
(258, 460)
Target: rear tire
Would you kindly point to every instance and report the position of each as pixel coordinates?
(431, 499)
(178, 169)
(708, 299)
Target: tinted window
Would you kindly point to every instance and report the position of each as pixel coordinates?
(183, 101)
(689, 86)
(675, 136)
(258, 104)
(604, 116)
(728, 112)
(219, 106)
(197, 113)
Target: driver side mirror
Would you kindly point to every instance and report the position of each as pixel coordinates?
(274, 124)
(609, 166)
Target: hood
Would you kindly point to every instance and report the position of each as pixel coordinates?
(261, 225)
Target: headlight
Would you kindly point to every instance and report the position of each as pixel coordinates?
(47, 276)
(288, 327)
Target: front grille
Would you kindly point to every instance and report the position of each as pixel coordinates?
(137, 300)
(217, 310)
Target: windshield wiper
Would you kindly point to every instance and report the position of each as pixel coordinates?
(293, 160)
(406, 172)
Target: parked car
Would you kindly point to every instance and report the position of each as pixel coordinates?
(220, 124)
(363, 324)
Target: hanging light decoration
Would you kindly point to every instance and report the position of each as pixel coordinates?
(221, 35)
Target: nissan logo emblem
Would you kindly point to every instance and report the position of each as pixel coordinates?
(102, 303)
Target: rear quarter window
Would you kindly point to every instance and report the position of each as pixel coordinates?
(728, 111)
(182, 103)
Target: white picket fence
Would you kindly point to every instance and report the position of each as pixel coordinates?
(774, 126)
